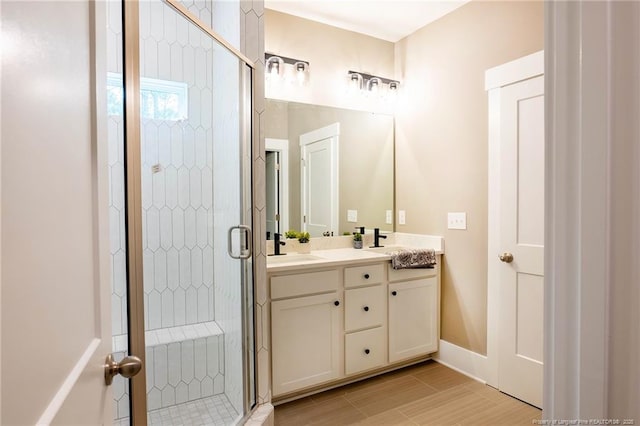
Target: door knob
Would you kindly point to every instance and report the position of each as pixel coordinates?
(128, 367)
(506, 257)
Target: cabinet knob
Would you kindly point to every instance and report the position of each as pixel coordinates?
(366, 309)
(367, 351)
(394, 293)
(337, 303)
(366, 276)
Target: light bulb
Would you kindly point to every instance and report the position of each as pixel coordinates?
(274, 66)
(373, 85)
(302, 70)
(355, 82)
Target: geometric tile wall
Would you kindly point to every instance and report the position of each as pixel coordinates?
(115, 138)
(176, 200)
(177, 235)
(252, 45)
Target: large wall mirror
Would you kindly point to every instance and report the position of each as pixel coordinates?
(328, 169)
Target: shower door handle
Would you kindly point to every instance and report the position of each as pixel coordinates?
(246, 246)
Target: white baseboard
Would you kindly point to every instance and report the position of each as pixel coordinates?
(462, 360)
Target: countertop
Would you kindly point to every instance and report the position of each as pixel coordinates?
(330, 258)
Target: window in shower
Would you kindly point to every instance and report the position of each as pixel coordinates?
(159, 99)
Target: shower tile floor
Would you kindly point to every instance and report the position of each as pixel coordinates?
(215, 410)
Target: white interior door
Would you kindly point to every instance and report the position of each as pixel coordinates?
(55, 253)
(277, 184)
(522, 237)
(273, 196)
(319, 169)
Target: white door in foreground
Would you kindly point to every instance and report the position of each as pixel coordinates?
(522, 240)
(56, 330)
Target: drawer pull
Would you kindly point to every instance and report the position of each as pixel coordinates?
(394, 293)
(366, 276)
(337, 303)
(366, 309)
(367, 351)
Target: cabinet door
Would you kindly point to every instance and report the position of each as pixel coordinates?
(413, 321)
(306, 341)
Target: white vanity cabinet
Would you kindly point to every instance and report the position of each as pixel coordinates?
(306, 330)
(413, 313)
(361, 318)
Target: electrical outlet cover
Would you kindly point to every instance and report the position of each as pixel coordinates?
(402, 217)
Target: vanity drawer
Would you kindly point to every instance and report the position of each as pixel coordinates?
(365, 350)
(409, 274)
(302, 284)
(364, 307)
(359, 276)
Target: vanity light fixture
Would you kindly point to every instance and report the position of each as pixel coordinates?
(373, 85)
(276, 68)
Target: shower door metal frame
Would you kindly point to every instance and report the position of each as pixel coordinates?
(133, 200)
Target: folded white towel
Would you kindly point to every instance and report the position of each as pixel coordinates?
(419, 258)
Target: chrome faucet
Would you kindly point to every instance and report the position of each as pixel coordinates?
(277, 243)
(376, 238)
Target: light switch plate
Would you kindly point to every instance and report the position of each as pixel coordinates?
(457, 220)
(402, 217)
(352, 215)
(389, 217)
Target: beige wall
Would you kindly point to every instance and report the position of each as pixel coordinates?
(441, 143)
(331, 52)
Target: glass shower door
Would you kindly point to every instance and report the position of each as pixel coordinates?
(193, 135)
(195, 201)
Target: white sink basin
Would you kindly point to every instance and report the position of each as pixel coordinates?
(292, 258)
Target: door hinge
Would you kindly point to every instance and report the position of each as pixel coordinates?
(277, 166)
(277, 217)
(304, 218)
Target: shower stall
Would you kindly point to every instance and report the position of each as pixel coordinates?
(180, 196)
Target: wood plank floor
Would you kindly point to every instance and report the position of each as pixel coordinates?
(425, 394)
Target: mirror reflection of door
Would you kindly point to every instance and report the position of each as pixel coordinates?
(273, 193)
(319, 163)
(277, 183)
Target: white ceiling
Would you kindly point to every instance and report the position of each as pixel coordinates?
(389, 20)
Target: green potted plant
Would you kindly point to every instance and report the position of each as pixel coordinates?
(303, 239)
(357, 240)
(291, 234)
